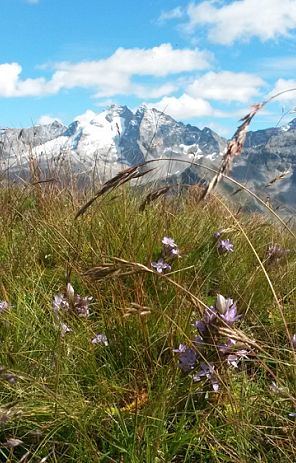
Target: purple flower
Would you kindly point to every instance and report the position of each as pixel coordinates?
(293, 341)
(233, 359)
(187, 357)
(81, 305)
(216, 235)
(71, 301)
(169, 242)
(227, 347)
(65, 329)
(292, 414)
(160, 265)
(207, 370)
(225, 246)
(210, 315)
(4, 306)
(230, 315)
(170, 247)
(100, 339)
(275, 253)
(60, 302)
(222, 304)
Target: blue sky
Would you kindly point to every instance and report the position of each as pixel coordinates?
(203, 62)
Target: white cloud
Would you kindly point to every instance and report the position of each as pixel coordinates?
(110, 76)
(168, 15)
(228, 22)
(185, 107)
(47, 119)
(12, 86)
(282, 85)
(226, 86)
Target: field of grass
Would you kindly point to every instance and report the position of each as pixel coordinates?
(68, 395)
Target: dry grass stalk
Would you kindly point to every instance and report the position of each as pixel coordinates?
(122, 177)
(234, 148)
(153, 196)
(235, 145)
(277, 178)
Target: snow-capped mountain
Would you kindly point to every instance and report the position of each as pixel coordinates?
(109, 141)
(105, 143)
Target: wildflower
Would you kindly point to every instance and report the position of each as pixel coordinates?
(227, 347)
(81, 305)
(293, 341)
(70, 292)
(12, 442)
(210, 315)
(216, 235)
(170, 247)
(233, 359)
(293, 414)
(222, 303)
(60, 302)
(71, 301)
(225, 246)
(169, 242)
(100, 339)
(4, 306)
(276, 389)
(230, 315)
(65, 329)
(187, 357)
(6, 376)
(207, 370)
(160, 265)
(275, 253)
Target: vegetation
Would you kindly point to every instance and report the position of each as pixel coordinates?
(100, 380)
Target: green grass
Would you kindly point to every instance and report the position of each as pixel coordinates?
(74, 401)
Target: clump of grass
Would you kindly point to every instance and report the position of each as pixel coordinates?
(109, 388)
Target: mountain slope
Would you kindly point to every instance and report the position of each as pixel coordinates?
(118, 138)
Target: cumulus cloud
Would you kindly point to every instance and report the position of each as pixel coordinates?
(185, 107)
(47, 119)
(243, 19)
(12, 86)
(168, 15)
(282, 85)
(226, 86)
(110, 76)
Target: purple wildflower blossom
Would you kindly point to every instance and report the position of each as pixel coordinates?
(275, 253)
(60, 302)
(100, 339)
(216, 235)
(187, 357)
(73, 301)
(230, 315)
(293, 341)
(81, 305)
(4, 306)
(293, 414)
(225, 246)
(227, 347)
(233, 359)
(210, 315)
(170, 247)
(207, 370)
(65, 329)
(160, 265)
(169, 242)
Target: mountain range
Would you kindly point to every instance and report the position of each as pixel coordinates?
(116, 138)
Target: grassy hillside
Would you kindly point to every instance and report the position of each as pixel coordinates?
(168, 380)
